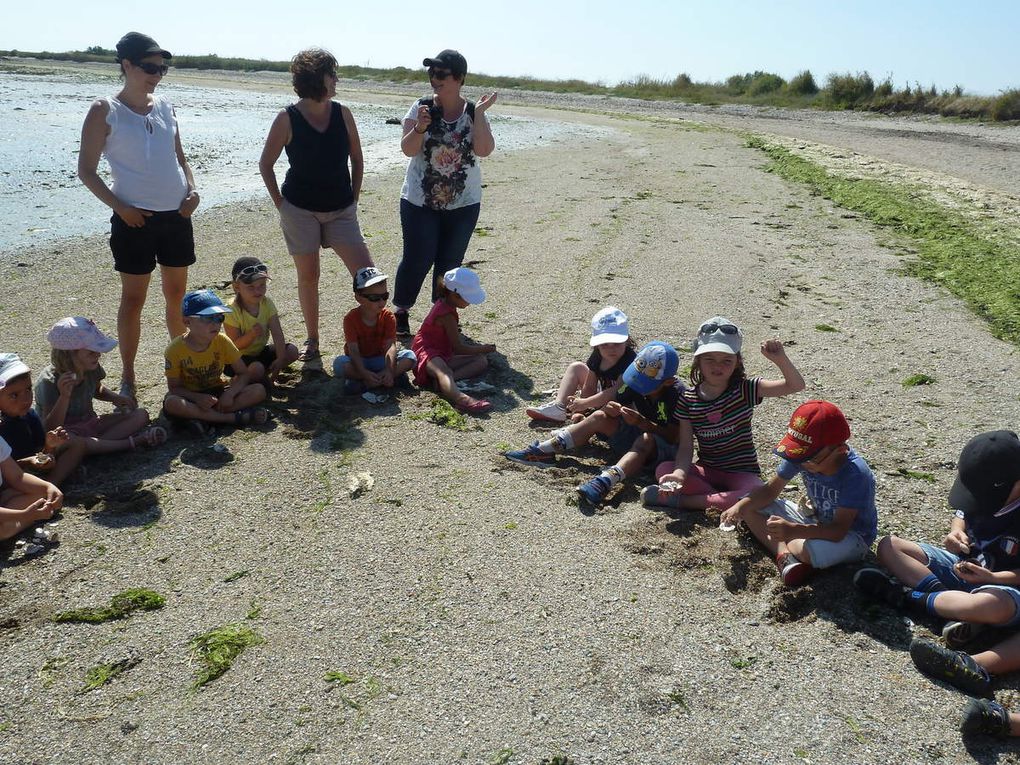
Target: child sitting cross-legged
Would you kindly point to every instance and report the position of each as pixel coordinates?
(640, 424)
(24, 498)
(195, 364)
(371, 358)
(837, 521)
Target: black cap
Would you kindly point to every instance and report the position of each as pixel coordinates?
(134, 46)
(448, 59)
(989, 465)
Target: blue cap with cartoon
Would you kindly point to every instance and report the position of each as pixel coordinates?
(655, 362)
(202, 303)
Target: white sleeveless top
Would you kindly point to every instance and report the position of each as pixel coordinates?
(142, 153)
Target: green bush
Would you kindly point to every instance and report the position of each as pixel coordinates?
(1007, 106)
(765, 82)
(847, 91)
(803, 84)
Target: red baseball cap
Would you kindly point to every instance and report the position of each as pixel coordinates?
(813, 426)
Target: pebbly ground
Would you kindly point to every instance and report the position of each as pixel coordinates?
(480, 616)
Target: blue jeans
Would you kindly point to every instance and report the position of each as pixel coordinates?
(436, 238)
(941, 562)
(372, 363)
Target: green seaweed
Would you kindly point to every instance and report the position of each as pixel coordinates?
(216, 649)
(121, 605)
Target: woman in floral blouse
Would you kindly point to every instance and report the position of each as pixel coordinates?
(444, 135)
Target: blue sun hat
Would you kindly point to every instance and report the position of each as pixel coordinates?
(203, 303)
(655, 362)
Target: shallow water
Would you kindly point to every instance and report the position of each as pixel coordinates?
(222, 130)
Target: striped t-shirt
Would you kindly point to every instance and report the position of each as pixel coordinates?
(723, 426)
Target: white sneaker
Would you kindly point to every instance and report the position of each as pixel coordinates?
(551, 412)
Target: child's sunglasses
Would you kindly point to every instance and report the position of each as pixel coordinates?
(145, 66)
(710, 327)
(248, 274)
(375, 298)
(439, 74)
(216, 318)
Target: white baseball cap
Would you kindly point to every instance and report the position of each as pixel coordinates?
(465, 283)
(609, 326)
(11, 366)
(718, 335)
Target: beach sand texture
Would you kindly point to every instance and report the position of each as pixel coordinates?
(479, 616)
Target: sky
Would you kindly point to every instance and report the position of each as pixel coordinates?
(968, 43)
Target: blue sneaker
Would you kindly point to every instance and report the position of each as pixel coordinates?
(531, 456)
(595, 490)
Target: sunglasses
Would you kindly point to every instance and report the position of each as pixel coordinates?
(216, 318)
(378, 297)
(145, 66)
(710, 327)
(249, 274)
(439, 74)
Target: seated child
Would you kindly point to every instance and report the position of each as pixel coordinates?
(67, 388)
(837, 521)
(974, 579)
(195, 364)
(371, 358)
(53, 454)
(441, 352)
(253, 320)
(591, 384)
(640, 424)
(24, 499)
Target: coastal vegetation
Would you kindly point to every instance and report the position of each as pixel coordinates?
(840, 91)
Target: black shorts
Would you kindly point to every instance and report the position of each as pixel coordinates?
(265, 357)
(166, 238)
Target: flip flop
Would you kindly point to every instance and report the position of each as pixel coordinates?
(309, 351)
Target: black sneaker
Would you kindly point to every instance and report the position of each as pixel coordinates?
(984, 716)
(403, 324)
(877, 585)
(954, 667)
(403, 383)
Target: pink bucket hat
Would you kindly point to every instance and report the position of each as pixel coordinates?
(77, 332)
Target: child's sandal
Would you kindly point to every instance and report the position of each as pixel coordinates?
(469, 405)
(253, 415)
(150, 437)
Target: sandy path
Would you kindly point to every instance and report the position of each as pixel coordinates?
(476, 609)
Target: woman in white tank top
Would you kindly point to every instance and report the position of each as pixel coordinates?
(152, 195)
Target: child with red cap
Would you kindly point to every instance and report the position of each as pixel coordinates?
(836, 521)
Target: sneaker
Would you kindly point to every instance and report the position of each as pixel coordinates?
(532, 456)
(403, 324)
(550, 412)
(954, 667)
(877, 585)
(793, 571)
(595, 490)
(353, 387)
(403, 383)
(658, 496)
(958, 634)
(984, 716)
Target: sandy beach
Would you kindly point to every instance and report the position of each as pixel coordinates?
(478, 614)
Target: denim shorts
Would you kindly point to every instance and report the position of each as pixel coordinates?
(941, 563)
(372, 363)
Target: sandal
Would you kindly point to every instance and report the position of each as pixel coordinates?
(469, 405)
(253, 415)
(150, 437)
(199, 429)
(309, 350)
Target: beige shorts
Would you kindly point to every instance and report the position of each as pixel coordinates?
(306, 231)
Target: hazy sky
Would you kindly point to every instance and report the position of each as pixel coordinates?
(972, 43)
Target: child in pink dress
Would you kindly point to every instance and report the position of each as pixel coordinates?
(443, 356)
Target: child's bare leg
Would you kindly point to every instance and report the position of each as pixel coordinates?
(120, 425)
(634, 460)
(256, 371)
(1002, 657)
(440, 371)
(19, 511)
(464, 367)
(984, 607)
(572, 381)
(249, 395)
(905, 559)
(756, 523)
(67, 459)
(597, 422)
(402, 365)
(189, 410)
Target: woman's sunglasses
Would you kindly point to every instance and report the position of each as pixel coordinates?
(145, 66)
(710, 327)
(439, 74)
(377, 297)
(249, 274)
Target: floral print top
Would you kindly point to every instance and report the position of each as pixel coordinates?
(445, 174)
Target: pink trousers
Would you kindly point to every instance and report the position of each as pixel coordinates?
(721, 488)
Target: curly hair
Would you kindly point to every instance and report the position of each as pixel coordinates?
(738, 373)
(307, 69)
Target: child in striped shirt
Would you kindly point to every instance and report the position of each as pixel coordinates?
(717, 411)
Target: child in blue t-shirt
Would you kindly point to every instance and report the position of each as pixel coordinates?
(837, 521)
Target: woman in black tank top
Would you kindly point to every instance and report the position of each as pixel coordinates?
(319, 197)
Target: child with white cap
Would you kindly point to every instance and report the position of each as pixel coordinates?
(67, 388)
(443, 357)
(590, 385)
(717, 411)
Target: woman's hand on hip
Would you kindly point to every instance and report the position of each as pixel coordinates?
(132, 216)
(189, 204)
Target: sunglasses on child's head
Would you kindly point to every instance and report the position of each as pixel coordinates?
(145, 66)
(377, 297)
(710, 327)
(249, 274)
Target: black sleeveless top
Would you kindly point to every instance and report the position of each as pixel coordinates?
(319, 178)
